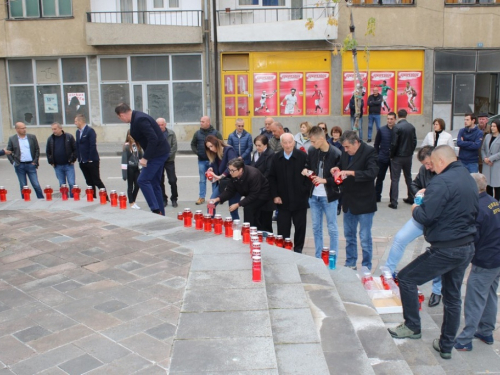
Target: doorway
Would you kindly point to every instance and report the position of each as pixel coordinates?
(153, 99)
(486, 93)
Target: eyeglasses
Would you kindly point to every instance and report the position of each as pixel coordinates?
(232, 170)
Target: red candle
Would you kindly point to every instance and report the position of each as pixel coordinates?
(421, 299)
(188, 218)
(198, 220)
(211, 207)
(90, 194)
(228, 227)
(207, 223)
(324, 255)
(253, 239)
(245, 233)
(113, 196)
(64, 189)
(76, 192)
(311, 175)
(270, 239)
(256, 269)
(103, 196)
(279, 240)
(48, 192)
(337, 177)
(261, 237)
(3, 194)
(180, 216)
(209, 175)
(288, 244)
(122, 198)
(26, 193)
(218, 224)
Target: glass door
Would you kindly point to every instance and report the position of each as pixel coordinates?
(237, 101)
(152, 99)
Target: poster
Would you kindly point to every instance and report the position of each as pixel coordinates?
(264, 94)
(348, 90)
(410, 92)
(80, 97)
(291, 93)
(50, 103)
(229, 84)
(386, 84)
(242, 83)
(230, 109)
(318, 93)
(243, 106)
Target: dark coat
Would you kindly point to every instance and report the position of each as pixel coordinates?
(198, 141)
(352, 107)
(422, 179)
(336, 144)
(13, 145)
(375, 104)
(404, 139)
(358, 192)
(287, 181)
(383, 144)
(220, 166)
(332, 159)
(487, 239)
(449, 208)
(473, 139)
(86, 145)
(252, 185)
(263, 164)
(145, 131)
(69, 147)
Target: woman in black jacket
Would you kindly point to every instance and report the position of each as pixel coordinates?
(263, 157)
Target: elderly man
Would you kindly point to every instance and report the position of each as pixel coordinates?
(481, 299)
(24, 156)
(358, 167)
(290, 190)
(266, 130)
(241, 141)
(448, 215)
(275, 142)
(169, 166)
(198, 147)
(61, 154)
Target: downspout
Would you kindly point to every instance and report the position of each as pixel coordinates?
(206, 30)
(216, 66)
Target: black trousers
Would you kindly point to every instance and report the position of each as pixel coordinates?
(91, 173)
(399, 163)
(132, 185)
(299, 219)
(169, 167)
(490, 190)
(382, 171)
(254, 215)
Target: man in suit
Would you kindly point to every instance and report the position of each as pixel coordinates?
(358, 167)
(24, 157)
(145, 130)
(86, 153)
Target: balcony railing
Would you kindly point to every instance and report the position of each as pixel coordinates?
(165, 18)
(241, 16)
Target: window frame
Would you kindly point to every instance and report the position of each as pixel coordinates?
(56, 5)
(40, 11)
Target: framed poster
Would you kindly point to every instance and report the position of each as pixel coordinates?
(318, 93)
(243, 106)
(264, 94)
(229, 106)
(291, 94)
(348, 91)
(229, 84)
(386, 84)
(242, 83)
(410, 92)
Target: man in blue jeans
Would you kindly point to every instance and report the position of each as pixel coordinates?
(374, 108)
(412, 229)
(145, 131)
(358, 168)
(470, 140)
(325, 193)
(24, 157)
(448, 215)
(198, 147)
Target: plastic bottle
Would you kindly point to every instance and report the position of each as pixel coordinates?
(332, 259)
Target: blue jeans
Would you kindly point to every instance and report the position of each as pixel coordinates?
(365, 234)
(216, 192)
(373, 119)
(409, 232)
(28, 169)
(450, 264)
(471, 167)
(320, 206)
(150, 183)
(66, 173)
(360, 126)
(203, 166)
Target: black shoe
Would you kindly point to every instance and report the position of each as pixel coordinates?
(408, 200)
(174, 204)
(165, 202)
(369, 140)
(434, 300)
(392, 206)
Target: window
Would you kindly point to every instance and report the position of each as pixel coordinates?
(273, 3)
(158, 4)
(43, 91)
(56, 8)
(249, 2)
(24, 8)
(40, 8)
(442, 87)
(488, 61)
(455, 61)
(173, 3)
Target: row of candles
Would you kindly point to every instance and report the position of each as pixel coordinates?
(114, 197)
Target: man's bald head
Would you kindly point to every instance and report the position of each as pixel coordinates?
(277, 129)
(287, 142)
(441, 157)
(205, 122)
(268, 122)
(162, 123)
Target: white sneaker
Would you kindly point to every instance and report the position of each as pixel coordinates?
(135, 206)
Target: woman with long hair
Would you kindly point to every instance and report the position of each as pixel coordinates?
(490, 152)
(219, 154)
(132, 153)
(302, 141)
(438, 137)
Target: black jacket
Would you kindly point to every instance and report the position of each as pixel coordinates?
(487, 239)
(375, 104)
(358, 192)
(382, 144)
(86, 145)
(263, 164)
(404, 139)
(69, 146)
(287, 181)
(422, 180)
(331, 159)
(145, 131)
(449, 209)
(252, 185)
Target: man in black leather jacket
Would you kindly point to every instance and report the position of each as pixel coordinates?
(404, 142)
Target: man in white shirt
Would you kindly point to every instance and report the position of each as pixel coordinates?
(291, 103)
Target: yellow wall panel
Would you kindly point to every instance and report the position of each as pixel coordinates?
(291, 61)
(383, 60)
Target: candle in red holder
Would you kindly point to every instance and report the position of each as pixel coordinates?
(211, 208)
(64, 189)
(270, 238)
(3, 194)
(253, 230)
(253, 238)
(236, 230)
(207, 223)
(256, 269)
(76, 192)
(180, 216)
(26, 193)
(209, 175)
(103, 196)
(279, 240)
(113, 196)
(48, 192)
(256, 249)
(218, 224)
(198, 220)
(188, 218)
(288, 244)
(324, 255)
(90, 194)
(311, 175)
(122, 198)
(337, 177)
(245, 233)
(421, 299)
(228, 227)
(260, 235)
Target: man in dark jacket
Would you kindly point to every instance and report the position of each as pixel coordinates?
(374, 108)
(169, 166)
(146, 132)
(198, 147)
(448, 215)
(290, 190)
(324, 194)
(241, 141)
(470, 139)
(358, 168)
(404, 142)
(249, 183)
(481, 299)
(61, 154)
(383, 148)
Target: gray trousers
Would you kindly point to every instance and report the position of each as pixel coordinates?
(481, 303)
(399, 163)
